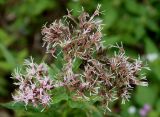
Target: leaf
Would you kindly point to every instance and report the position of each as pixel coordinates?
(53, 71)
(39, 7)
(3, 1)
(5, 66)
(146, 95)
(155, 67)
(26, 7)
(134, 7)
(128, 39)
(76, 7)
(20, 106)
(152, 25)
(5, 38)
(77, 104)
(3, 91)
(110, 40)
(59, 61)
(84, 105)
(110, 17)
(150, 47)
(7, 54)
(125, 107)
(139, 32)
(158, 105)
(22, 55)
(59, 94)
(153, 113)
(76, 63)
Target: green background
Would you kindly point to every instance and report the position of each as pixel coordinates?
(136, 23)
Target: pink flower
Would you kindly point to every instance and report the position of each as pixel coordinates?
(34, 84)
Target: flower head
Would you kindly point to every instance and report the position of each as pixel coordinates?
(79, 41)
(34, 84)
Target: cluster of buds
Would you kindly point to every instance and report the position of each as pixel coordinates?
(34, 84)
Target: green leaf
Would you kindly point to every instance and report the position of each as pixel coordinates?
(155, 67)
(59, 94)
(8, 55)
(76, 7)
(110, 17)
(158, 105)
(77, 104)
(3, 90)
(153, 113)
(3, 1)
(21, 55)
(76, 63)
(150, 47)
(5, 38)
(39, 7)
(5, 66)
(134, 7)
(59, 61)
(20, 106)
(53, 71)
(26, 7)
(111, 40)
(152, 25)
(13, 105)
(128, 39)
(139, 32)
(146, 95)
(84, 105)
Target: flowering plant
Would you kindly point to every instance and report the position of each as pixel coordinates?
(89, 72)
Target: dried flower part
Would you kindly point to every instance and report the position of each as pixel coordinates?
(34, 84)
(78, 41)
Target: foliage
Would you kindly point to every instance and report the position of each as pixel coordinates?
(134, 22)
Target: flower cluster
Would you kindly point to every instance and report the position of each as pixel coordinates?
(99, 75)
(34, 84)
(108, 77)
(79, 41)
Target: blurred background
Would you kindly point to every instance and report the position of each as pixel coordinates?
(136, 23)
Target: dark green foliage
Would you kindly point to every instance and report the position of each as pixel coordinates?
(134, 22)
